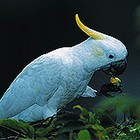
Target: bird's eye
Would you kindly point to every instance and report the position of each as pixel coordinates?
(111, 56)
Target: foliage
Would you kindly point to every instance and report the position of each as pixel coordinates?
(100, 124)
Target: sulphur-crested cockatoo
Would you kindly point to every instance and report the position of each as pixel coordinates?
(54, 79)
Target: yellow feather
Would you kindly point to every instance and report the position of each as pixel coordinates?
(93, 34)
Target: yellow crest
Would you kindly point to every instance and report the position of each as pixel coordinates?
(93, 34)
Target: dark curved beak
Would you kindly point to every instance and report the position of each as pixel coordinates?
(115, 68)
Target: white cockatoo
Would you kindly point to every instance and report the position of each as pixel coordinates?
(54, 79)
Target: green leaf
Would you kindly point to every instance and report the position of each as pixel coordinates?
(41, 132)
(84, 135)
(99, 132)
(84, 112)
(92, 118)
(67, 117)
(17, 127)
(71, 126)
(84, 115)
(110, 129)
(100, 124)
(105, 117)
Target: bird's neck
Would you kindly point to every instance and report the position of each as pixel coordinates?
(85, 52)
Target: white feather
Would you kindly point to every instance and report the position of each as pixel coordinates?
(54, 79)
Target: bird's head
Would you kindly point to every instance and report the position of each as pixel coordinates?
(111, 53)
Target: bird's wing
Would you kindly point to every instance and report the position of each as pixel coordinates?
(34, 85)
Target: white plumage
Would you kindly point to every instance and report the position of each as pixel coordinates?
(54, 79)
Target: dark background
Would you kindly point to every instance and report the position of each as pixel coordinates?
(29, 28)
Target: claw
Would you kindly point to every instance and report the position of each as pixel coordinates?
(113, 86)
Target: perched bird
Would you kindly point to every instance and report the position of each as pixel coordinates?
(54, 79)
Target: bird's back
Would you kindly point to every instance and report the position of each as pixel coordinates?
(34, 85)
